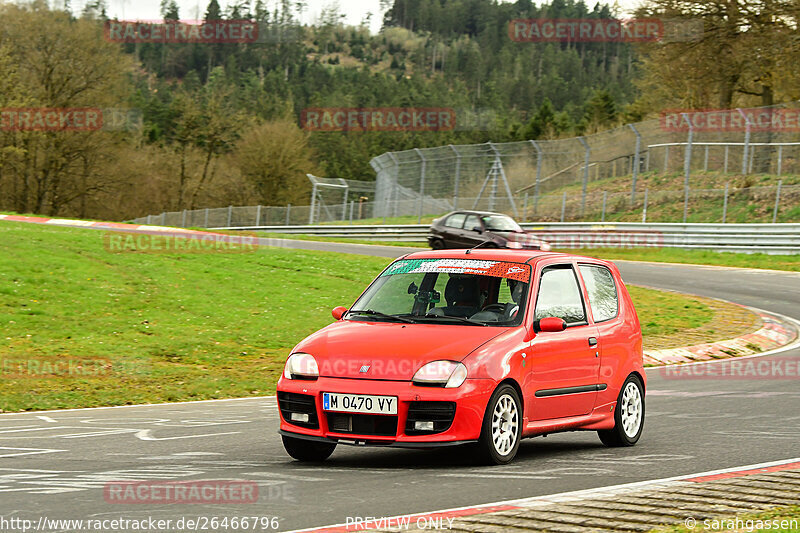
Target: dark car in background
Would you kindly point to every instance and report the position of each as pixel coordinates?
(467, 229)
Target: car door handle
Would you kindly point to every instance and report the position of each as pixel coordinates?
(593, 341)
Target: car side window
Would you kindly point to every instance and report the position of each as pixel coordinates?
(455, 221)
(560, 296)
(473, 221)
(603, 294)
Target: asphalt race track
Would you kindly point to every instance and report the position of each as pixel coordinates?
(56, 464)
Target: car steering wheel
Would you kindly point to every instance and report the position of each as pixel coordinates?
(495, 308)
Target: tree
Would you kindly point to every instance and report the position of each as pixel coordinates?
(66, 64)
(213, 11)
(600, 112)
(743, 49)
(170, 10)
(275, 158)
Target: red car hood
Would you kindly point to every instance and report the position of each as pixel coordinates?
(392, 351)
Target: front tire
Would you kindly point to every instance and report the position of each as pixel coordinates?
(628, 416)
(437, 244)
(307, 451)
(502, 427)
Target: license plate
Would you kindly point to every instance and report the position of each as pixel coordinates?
(359, 403)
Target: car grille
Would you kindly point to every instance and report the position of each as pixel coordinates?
(356, 424)
(440, 413)
(289, 403)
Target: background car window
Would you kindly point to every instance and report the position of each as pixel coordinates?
(560, 296)
(603, 296)
(500, 223)
(455, 221)
(473, 221)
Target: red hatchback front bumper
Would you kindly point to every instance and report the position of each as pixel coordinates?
(457, 414)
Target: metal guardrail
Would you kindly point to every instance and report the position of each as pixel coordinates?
(741, 238)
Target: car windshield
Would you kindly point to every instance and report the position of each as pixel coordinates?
(501, 223)
(447, 291)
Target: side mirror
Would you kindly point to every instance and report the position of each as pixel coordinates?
(339, 312)
(477, 229)
(549, 325)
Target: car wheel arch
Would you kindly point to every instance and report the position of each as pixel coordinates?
(513, 382)
(640, 377)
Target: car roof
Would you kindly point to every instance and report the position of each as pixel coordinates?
(472, 212)
(501, 254)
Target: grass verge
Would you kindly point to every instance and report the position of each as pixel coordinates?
(141, 328)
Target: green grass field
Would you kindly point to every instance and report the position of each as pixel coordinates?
(143, 328)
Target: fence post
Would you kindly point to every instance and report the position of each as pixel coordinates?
(666, 158)
(780, 159)
(183, 219)
(421, 184)
(745, 154)
(258, 215)
(647, 160)
(725, 204)
(564, 207)
(777, 202)
(352, 206)
(644, 211)
(149, 219)
(705, 161)
(164, 218)
(605, 200)
(635, 162)
(539, 157)
(230, 216)
(585, 172)
(458, 176)
(313, 204)
(288, 214)
(206, 224)
(687, 167)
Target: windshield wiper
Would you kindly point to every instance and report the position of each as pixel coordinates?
(457, 318)
(371, 312)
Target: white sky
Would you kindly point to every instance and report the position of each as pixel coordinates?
(355, 10)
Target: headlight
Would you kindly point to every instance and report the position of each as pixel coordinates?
(301, 366)
(447, 374)
(514, 245)
(546, 247)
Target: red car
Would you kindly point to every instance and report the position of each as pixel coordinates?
(480, 348)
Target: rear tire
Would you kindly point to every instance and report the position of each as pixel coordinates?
(437, 244)
(502, 428)
(307, 451)
(628, 416)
